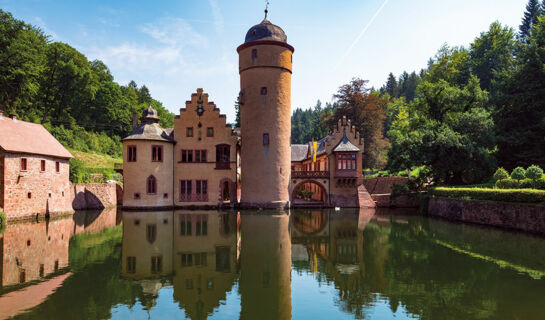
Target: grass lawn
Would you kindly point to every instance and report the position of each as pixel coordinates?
(95, 160)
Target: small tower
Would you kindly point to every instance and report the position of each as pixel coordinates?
(265, 67)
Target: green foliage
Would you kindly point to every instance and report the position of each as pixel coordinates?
(311, 124)
(507, 195)
(77, 171)
(449, 130)
(54, 84)
(531, 17)
(518, 173)
(527, 184)
(501, 174)
(507, 184)
(534, 172)
(3, 222)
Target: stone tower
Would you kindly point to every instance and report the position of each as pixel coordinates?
(265, 67)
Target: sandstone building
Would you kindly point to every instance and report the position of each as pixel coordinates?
(203, 162)
(34, 170)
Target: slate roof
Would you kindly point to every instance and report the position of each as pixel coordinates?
(299, 152)
(151, 131)
(18, 136)
(266, 31)
(345, 145)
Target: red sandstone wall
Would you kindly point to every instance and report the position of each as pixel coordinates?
(403, 201)
(382, 185)
(94, 196)
(529, 218)
(49, 190)
(28, 245)
(1, 181)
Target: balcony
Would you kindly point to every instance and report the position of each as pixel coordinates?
(310, 174)
(194, 197)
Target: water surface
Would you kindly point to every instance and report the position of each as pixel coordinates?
(310, 264)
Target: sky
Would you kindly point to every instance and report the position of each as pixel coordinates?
(175, 47)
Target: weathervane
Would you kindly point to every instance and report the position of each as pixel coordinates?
(266, 8)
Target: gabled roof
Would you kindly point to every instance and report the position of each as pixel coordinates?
(18, 136)
(345, 145)
(299, 152)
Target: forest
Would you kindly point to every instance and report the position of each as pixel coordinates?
(77, 100)
(470, 111)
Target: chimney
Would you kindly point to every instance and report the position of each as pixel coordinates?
(134, 120)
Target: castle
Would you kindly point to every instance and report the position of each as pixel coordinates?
(204, 163)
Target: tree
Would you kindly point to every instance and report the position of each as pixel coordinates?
(391, 86)
(449, 64)
(367, 110)
(237, 113)
(520, 114)
(447, 129)
(518, 173)
(501, 174)
(491, 54)
(531, 15)
(534, 172)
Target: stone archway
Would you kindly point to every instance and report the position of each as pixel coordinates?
(309, 192)
(227, 191)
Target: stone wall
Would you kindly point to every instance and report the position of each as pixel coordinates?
(94, 196)
(382, 185)
(31, 191)
(523, 217)
(402, 201)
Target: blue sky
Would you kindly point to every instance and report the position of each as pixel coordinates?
(175, 47)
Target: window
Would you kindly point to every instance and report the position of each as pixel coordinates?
(23, 164)
(346, 161)
(201, 226)
(200, 259)
(151, 232)
(185, 225)
(263, 91)
(151, 185)
(223, 156)
(187, 259)
(42, 270)
(131, 264)
(265, 139)
(209, 132)
(157, 153)
(203, 155)
(57, 166)
(254, 54)
(42, 165)
(189, 132)
(165, 195)
(137, 195)
(201, 186)
(193, 156)
(156, 264)
(29, 195)
(185, 187)
(131, 153)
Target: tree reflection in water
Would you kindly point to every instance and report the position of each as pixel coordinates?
(239, 265)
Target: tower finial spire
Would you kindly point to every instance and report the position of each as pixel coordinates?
(266, 8)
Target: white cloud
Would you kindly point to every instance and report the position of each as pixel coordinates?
(216, 14)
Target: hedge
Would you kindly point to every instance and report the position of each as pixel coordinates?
(502, 195)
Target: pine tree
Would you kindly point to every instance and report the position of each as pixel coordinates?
(531, 15)
(391, 86)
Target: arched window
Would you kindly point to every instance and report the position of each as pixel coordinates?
(223, 156)
(151, 185)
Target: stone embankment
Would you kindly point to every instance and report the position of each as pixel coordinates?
(523, 217)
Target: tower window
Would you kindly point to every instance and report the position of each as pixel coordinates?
(151, 185)
(263, 91)
(57, 166)
(265, 139)
(157, 153)
(23, 164)
(42, 165)
(254, 54)
(131, 153)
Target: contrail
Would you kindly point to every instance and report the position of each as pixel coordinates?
(361, 33)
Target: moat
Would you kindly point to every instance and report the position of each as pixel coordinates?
(310, 264)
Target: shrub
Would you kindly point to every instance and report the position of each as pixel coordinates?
(518, 173)
(507, 184)
(501, 174)
(508, 195)
(527, 184)
(534, 172)
(3, 222)
(77, 170)
(540, 183)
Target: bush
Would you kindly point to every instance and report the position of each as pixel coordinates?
(507, 184)
(501, 174)
(508, 195)
(3, 222)
(518, 173)
(77, 170)
(540, 184)
(534, 172)
(527, 184)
